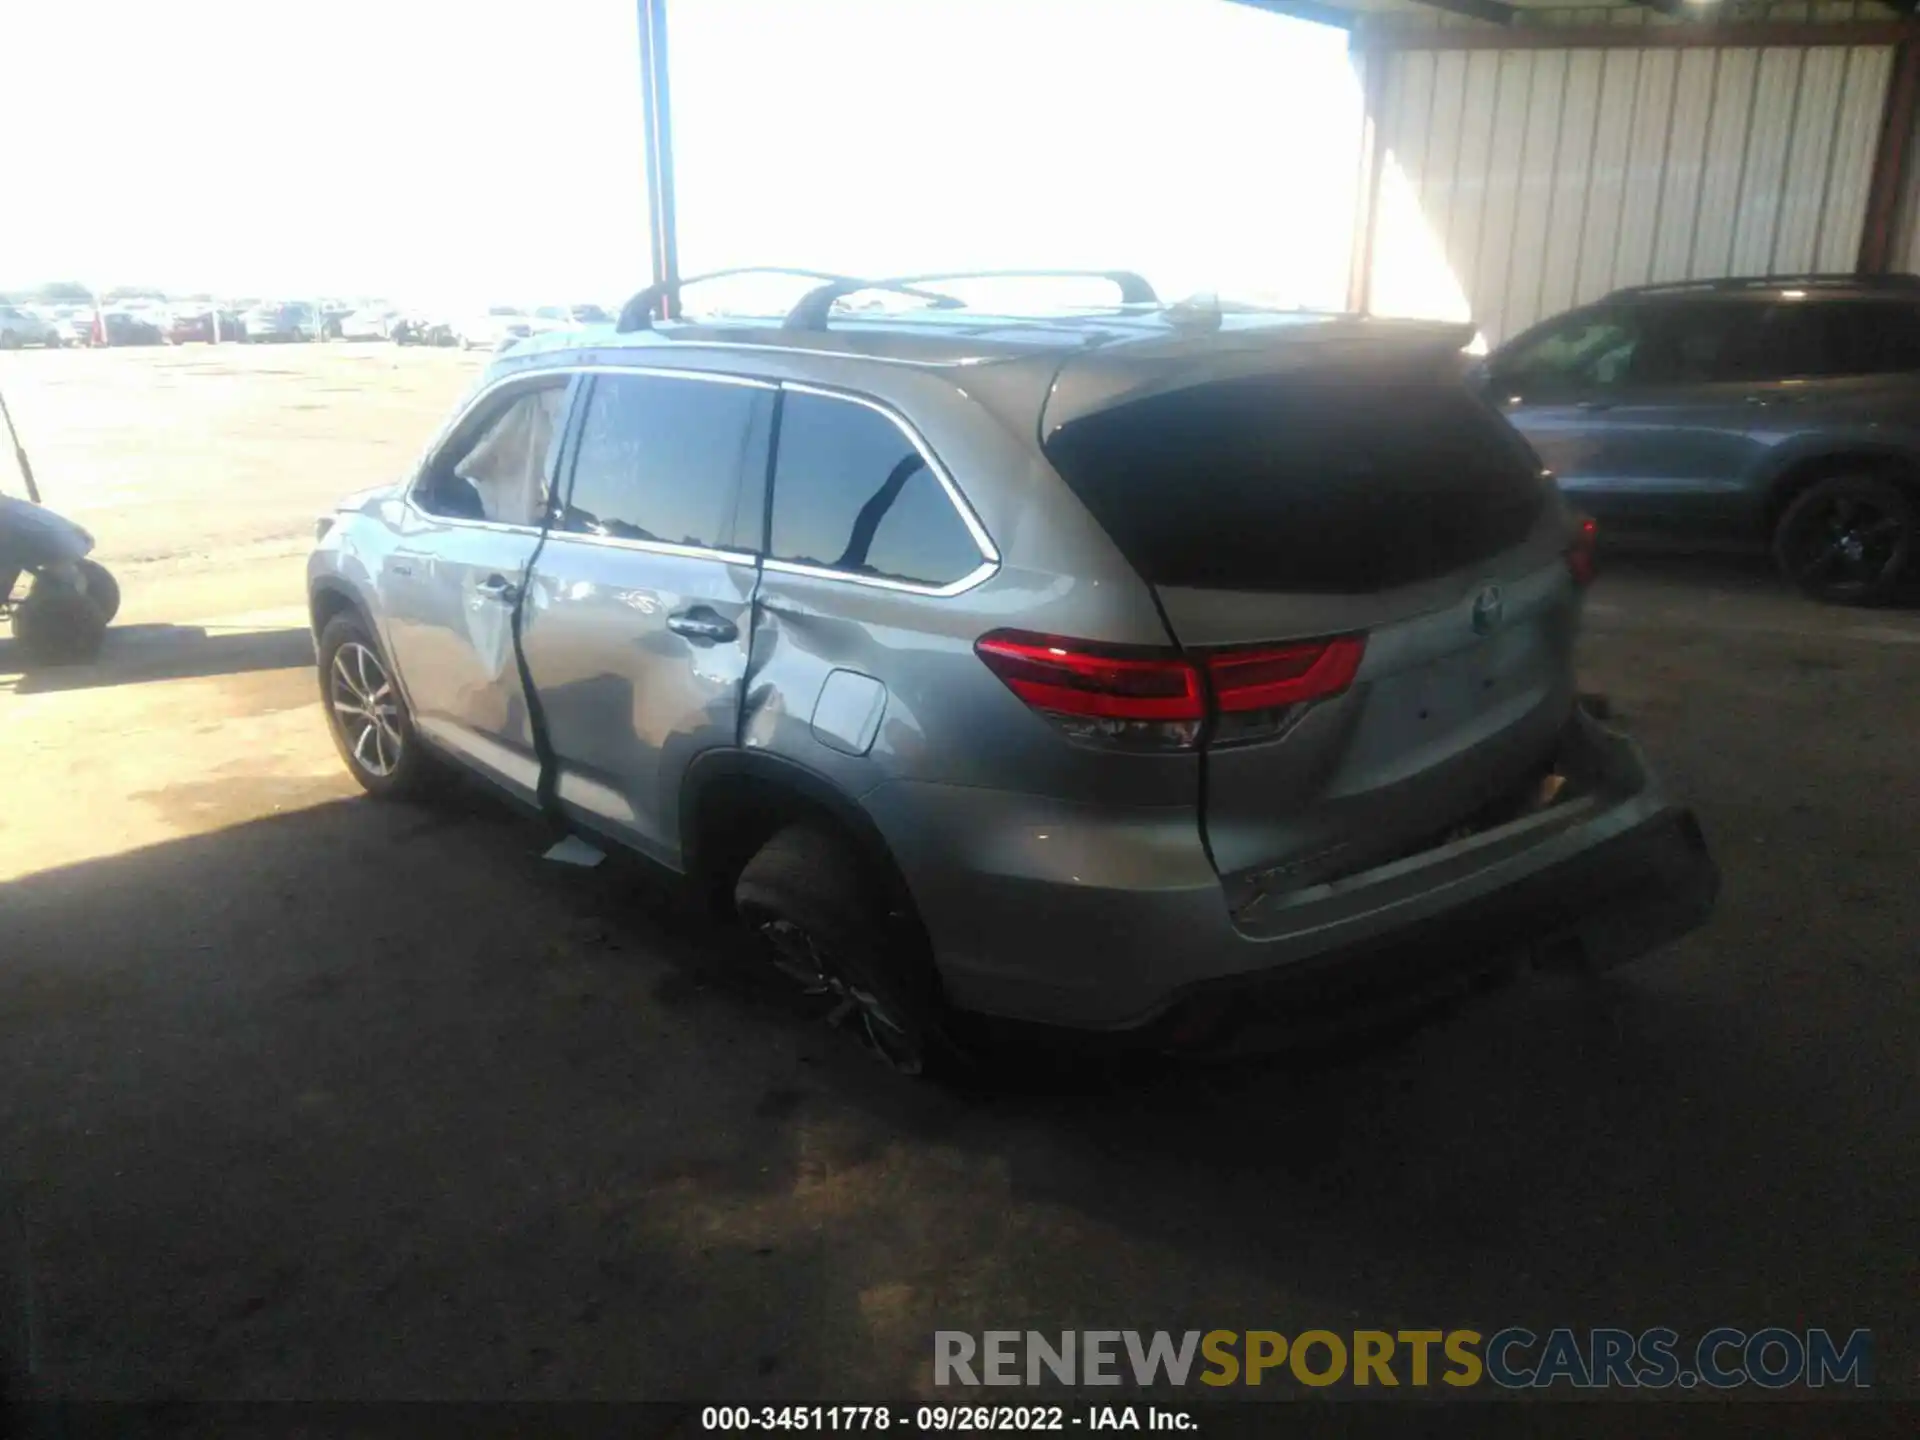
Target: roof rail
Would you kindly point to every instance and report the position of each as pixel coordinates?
(637, 313)
(812, 311)
(1893, 281)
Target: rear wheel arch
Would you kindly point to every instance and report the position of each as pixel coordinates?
(1806, 471)
(733, 801)
(805, 868)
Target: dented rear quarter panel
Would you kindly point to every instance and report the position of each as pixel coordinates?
(947, 718)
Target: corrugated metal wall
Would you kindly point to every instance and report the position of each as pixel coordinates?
(1520, 182)
(1407, 15)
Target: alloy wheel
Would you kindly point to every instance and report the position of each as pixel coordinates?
(366, 708)
(801, 957)
(1847, 546)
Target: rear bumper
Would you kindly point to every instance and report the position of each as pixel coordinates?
(1599, 907)
(1106, 920)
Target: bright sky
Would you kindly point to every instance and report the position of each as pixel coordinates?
(448, 150)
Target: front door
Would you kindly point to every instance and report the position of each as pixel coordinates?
(637, 615)
(1562, 385)
(1651, 415)
(1660, 458)
(449, 584)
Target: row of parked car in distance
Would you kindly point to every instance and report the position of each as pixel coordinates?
(156, 323)
(164, 323)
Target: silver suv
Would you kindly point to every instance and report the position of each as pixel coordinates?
(1151, 669)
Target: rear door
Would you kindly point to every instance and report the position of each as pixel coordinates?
(1837, 368)
(449, 583)
(1378, 499)
(1568, 386)
(636, 621)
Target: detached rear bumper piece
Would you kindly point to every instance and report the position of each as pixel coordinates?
(1598, 908)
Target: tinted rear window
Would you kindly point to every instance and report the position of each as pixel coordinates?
(852, 492)
(1302, 485)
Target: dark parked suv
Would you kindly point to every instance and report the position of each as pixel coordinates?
(1785, 411)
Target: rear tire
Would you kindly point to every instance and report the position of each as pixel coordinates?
(57, 625)
(1846, 540)
(102, 589)
(809, 897)
(366, 714)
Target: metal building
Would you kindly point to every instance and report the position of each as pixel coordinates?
(1523, 157)
(1517, 157)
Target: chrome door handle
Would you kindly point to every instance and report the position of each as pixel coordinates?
(703, 626)
(1594, 405)
(498, 587)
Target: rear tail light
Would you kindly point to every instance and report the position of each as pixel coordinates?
(1581, 557)
(1261, 693)
(1263, 679)
(1146, 699)
(1138, 700)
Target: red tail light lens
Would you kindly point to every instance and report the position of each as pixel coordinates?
(1155, 700)
(1066, 676)
(1139, 701)
(1290, 675)
(1582, 559)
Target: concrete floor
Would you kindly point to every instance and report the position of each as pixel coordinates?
(302, 1095)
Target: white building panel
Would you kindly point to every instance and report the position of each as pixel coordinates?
(1520, 182)
(1642, 193)
(1539, 151)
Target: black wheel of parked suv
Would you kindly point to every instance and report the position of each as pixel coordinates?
(1846, 540)
(102, 589)
(807, 895)
(366, 714)
(57, 625)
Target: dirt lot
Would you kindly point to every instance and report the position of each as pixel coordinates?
(305, 1096)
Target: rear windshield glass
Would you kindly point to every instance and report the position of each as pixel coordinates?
(1335, 486)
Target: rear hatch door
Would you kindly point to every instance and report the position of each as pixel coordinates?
(1351, 486)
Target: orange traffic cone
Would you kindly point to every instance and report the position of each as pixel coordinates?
(99, 327)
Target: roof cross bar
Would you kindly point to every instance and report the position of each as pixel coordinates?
(637, 313)
(812, 311)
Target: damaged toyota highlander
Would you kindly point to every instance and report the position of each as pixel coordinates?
(1161, 672)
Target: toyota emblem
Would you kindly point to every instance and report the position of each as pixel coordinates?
(1488, 608)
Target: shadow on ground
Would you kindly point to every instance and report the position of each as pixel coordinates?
(367, 1100)
(135, 654)
(1726, 569)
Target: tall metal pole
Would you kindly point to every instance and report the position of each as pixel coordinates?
(658, 120)
(19, 454)
(1887, 183)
